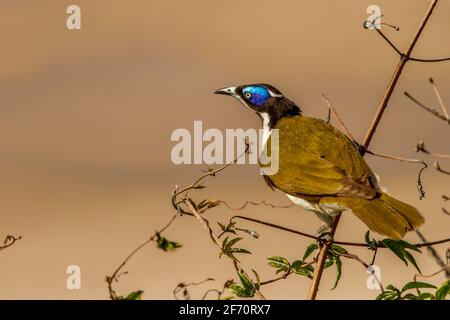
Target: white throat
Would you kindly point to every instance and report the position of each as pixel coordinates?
(266, 128)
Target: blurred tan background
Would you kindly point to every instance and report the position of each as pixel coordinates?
(86, 118)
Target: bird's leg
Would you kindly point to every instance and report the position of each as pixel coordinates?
(324, 231)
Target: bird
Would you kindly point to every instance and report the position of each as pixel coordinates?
(320, 169)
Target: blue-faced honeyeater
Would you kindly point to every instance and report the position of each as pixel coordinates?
(320, 168)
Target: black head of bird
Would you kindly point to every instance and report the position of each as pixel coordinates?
(267, 101)
(320, 169)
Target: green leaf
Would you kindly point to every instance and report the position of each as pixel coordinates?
(329, 262)
(233, 241)
(207, 204)
(240, 250)
(309, 250)
(443, 291)
(371, 243)
(411, 259)
(258, 279)
(227, 248)
(392, 288)
(297, 264)
(396, 248)
(278, 266)
(299, 267)
(239, 291)
(410, 296)
(279, 260)
(248, 287)
(338, 249)
(167, 245)
(400, 249)
(230, 228)
(246, 282)
(425, 296)
(280, 263)
(387, 295)
(409, 246)
(338, 263)
(417, 285)
(136, 295)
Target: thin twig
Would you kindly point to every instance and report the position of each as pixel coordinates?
(423, 106)
(438, 168)
(9, 241)
(434, 253)
(439, 98)
(401, 54)
(183, 286)
(341, 122)
(254, 203)
(419, 183)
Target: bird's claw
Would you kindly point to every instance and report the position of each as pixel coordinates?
(324, 235)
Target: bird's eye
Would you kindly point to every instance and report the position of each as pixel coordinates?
(247, 95)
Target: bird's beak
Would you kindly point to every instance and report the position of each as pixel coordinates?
(229, 91)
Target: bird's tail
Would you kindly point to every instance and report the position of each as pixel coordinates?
(386, 215)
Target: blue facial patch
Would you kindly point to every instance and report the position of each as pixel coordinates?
(256, 94)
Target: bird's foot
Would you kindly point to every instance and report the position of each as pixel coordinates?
(324, 234)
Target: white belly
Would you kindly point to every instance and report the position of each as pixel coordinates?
(327, 209)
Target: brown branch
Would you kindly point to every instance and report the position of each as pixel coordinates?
(370, 132)
(9, 241)
(321, 259)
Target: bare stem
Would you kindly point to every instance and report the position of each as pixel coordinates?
(439, 98)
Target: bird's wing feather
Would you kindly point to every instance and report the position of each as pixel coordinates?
(317, 159)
